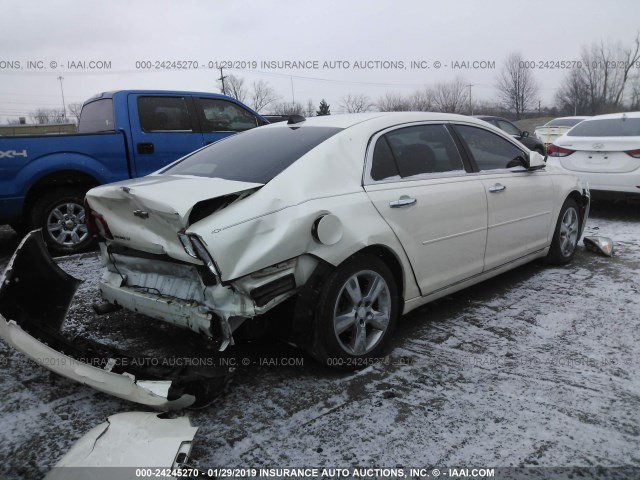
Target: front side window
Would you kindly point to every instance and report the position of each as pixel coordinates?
(225, 116)
(417, 150)
(489, 150)
(97, 117)
(162, 114)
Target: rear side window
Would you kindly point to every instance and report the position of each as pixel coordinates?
(489, 151)
(610, 127)
(97, 117)
(411, 151)
(255, 156)
(224, 116)
(162, 114)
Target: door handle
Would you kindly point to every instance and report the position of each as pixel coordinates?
(403, 201)
(498, 187)
(145, 147)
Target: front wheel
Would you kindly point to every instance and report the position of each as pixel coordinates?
(60, 214)
(356, 314)
(565, 236)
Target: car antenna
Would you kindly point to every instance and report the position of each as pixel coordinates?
(293, 119)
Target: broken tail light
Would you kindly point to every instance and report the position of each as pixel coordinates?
(555, 151)
(96, 224)
(194, 246)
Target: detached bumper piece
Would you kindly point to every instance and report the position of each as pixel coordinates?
(35, 295)
(131, 445)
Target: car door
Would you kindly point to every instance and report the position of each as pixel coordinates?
(164, 128)
(417, 181)
(520, 202)
(220, 118)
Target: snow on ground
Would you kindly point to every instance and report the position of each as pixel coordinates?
(538, 367)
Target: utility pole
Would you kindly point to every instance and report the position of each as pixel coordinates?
(293, 97)
(470, 102)
(222, 77)
(64, 107)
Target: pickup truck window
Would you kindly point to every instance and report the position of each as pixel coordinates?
(164, 114)
(223, 116)
(97, 117)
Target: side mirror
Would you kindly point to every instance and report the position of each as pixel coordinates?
(535, 161)
(524, 134)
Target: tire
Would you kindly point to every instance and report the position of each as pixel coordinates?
(565, 236)
(349, 327)
(60, 214)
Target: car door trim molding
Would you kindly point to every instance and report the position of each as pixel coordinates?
(529, 217)
(449, 237)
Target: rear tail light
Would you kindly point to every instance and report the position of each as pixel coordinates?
(194, 246)
(634, 153)
(555, 151)
(96, 224)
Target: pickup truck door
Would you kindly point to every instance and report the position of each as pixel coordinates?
(519, 202)
(163, 129)
(220, 118)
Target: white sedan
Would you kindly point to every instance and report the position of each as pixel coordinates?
(357, 218)
(605, 152)
(555, 128)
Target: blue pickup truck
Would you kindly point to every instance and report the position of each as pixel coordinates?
(123, 134)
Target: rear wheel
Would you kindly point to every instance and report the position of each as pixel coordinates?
(60, 214)
(356, 314)
(565, 237)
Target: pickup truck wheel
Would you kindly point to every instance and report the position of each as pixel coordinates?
(60, 214)
(356, 314)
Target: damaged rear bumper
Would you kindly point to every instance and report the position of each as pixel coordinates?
(35, 295)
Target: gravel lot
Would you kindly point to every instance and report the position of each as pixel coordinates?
(535, 368)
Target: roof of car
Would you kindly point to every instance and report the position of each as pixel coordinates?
(350, 119)
(614, 115)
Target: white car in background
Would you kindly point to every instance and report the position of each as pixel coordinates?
(556, 128)
(605, 152)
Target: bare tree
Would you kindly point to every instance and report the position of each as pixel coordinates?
(262, 95)
(451, 97)
(233, 87)
(356, 103)
(422, 100)
(573, 95)
(310, 111)
(287, 108)
(43, 116)
(393, 102)
(635, 93)
(516, 86)
(74, 110)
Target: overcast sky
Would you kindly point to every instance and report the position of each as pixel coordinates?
(62, 37)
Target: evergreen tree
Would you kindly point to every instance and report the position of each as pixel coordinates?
(324, 108)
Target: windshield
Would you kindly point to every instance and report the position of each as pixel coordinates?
(564, 122)
(610, 127)
(254, 156)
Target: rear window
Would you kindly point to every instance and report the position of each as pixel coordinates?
(563, 122)
(610, 127)
(255, 156)
(97, 117)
